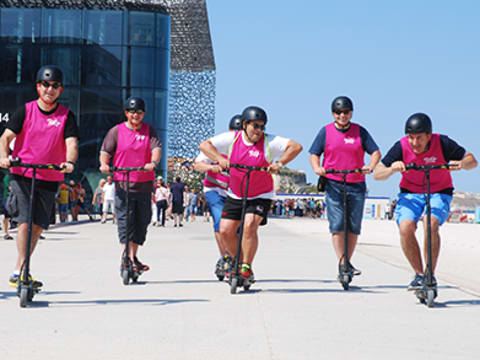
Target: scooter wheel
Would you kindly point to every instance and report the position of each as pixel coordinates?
(246, 287)
(135, 277)
(30, 294)
(220, 278)
(233, 285)
(23, 297)
(346, 281)
(430, 297)
(125, 277)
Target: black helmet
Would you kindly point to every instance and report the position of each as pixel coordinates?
(50, 73)
(342, 102)
(254, 113)
(235, 123)
(134, 103)
(418, 123)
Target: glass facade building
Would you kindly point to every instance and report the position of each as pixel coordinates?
(106, 56)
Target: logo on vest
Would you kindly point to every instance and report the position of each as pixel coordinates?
(430, 160)
(139, 137)
(53, 122)
(349, 140)
(254, 153)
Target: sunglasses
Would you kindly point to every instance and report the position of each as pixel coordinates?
(259, 126)
(136, 111)
(338, 112)
(46, 85)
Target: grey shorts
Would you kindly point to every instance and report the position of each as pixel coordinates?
(139, 216)
(43, 203)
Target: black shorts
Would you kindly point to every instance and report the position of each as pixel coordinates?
(139, 216)
(232, 209)
(44, 201)
(177, 207)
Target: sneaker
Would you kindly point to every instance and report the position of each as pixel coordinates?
(8, 237)
(140, 266)
(246, 272)
(434, 280)
(416, 283)
(180, 225)
(175, 225)
(227, 262)
(42, 237)
(13, 281)
(355, 271)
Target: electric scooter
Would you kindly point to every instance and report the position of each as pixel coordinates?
(127, 270)
(428, 292)
(25, 289)
(236, 280)
(345, 272)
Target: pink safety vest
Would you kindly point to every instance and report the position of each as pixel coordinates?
(216, 180)
(344, 151)
(133, 150)
(41, 141)
(261, 182)
(412, 180)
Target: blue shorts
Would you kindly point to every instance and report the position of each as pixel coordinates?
(63, 208)
(215, 202)
(412, 206)
(355, 203)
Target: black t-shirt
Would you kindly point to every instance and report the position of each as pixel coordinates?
(450, 149)
(16, 122)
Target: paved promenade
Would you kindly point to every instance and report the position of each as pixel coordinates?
(296, 309)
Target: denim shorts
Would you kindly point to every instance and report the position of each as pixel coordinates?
(412, 206)
(215, 202)
(355, 203)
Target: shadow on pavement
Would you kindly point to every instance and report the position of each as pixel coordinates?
(374, 244)
(353, 289)
(159, 282)
(457, 303)
(8, 294)
(154, 302)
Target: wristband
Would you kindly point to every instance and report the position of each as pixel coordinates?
(71, 162)
(279, 163)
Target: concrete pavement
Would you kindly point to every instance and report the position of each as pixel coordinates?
(295, 310)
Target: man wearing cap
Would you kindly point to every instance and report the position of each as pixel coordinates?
(132, 143)
(45, 132)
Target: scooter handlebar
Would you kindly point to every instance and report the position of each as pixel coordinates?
(240, 166)
(17, 162)
(334, 171)
(426, 167)
(115, 168)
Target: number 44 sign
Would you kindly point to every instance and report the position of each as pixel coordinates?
(4, 117)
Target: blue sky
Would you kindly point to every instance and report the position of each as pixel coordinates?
(391, 58)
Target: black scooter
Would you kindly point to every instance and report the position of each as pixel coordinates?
(128, 272)
(428, 292)
(25, 289)
(236, 280)
(345, 272)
